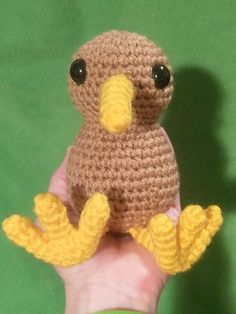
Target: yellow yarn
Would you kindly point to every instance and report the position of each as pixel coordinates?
(115, 103)
(137, 169)
(61, 243)
(176, 249)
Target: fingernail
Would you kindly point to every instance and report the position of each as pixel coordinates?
(68, 149)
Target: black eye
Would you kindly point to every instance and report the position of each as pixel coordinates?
(78, 71)
(161, 75)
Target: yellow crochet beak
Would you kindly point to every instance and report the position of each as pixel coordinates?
(116, 97)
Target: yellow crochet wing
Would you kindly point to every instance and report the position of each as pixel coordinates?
(61, 243)
(176, 249)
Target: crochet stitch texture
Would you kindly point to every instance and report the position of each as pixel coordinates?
(122, 173)
(136, 169)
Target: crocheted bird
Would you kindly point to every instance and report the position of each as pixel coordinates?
(122, 173)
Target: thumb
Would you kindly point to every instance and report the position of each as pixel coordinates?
(58, 182)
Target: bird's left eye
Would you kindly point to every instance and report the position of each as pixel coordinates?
(160, 75)
(78, 71)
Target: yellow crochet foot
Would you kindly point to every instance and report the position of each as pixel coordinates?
(60, 243)
(176, 249)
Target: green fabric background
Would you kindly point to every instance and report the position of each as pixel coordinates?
(38, 122)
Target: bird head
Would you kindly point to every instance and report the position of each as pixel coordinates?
(120, 79)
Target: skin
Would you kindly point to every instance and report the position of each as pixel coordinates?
(121, 275)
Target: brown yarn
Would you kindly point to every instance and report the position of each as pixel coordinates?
(136, 169)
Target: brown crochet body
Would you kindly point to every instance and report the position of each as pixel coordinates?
(137, 171)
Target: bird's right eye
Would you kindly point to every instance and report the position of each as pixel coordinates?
(78, 71)
(161, 75)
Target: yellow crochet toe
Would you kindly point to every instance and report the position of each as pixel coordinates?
(176, 249)
(143, 237)
(60, 243)
(24, 233)
(196, 228)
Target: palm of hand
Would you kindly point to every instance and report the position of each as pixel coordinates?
(121, 269)
(120, 274)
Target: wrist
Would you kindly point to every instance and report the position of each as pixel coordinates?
(123, 311)
(94, 297)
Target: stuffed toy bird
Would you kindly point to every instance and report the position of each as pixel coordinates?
(122, 174)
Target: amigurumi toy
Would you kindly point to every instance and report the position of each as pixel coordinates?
(122, 173)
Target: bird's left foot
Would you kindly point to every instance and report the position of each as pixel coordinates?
(177, 248)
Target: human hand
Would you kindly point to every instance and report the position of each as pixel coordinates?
(120, 275)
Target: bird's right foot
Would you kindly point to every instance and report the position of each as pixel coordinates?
(60, 243)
